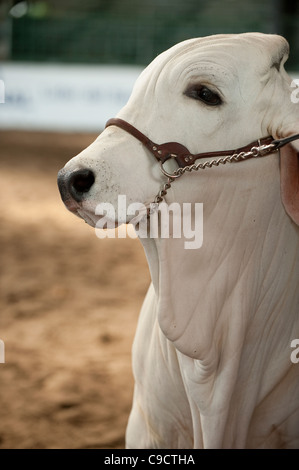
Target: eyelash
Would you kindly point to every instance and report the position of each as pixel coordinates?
(198, 92)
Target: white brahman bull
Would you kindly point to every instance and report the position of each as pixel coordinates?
(211, 356)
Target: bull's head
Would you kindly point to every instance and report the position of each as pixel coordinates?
(215, 93)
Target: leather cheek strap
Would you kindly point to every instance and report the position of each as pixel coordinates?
(179, 152)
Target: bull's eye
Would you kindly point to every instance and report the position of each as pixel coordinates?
(203, 93)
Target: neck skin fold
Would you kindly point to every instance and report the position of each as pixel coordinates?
(230, 308)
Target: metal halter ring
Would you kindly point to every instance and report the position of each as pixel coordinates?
(165, 173)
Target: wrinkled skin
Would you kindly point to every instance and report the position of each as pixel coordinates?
(211, 356)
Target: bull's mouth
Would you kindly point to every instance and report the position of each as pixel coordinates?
(90, 218)
(71, 205)
(77, 209)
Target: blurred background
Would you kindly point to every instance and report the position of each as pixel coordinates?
(132, 31)
(69, 302)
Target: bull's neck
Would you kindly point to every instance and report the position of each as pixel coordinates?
(244, 275)
(230, 308)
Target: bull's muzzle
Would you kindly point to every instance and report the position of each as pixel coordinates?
(74, 185)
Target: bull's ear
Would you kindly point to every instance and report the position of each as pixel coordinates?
(289, 179)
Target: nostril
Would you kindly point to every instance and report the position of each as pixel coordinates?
(81, 182)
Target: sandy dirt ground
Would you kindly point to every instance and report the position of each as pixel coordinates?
(69, 305)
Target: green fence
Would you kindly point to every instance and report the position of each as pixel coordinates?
(138, 38)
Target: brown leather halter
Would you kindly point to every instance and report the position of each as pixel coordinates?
(181, 154)
(186, 160)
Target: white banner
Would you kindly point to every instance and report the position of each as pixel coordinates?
(63, 97)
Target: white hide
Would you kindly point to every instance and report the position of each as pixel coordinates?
(211, 356)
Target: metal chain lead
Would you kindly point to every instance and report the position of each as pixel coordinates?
(236, 157)
(163, 191)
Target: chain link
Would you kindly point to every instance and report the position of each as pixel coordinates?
(236, 157)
